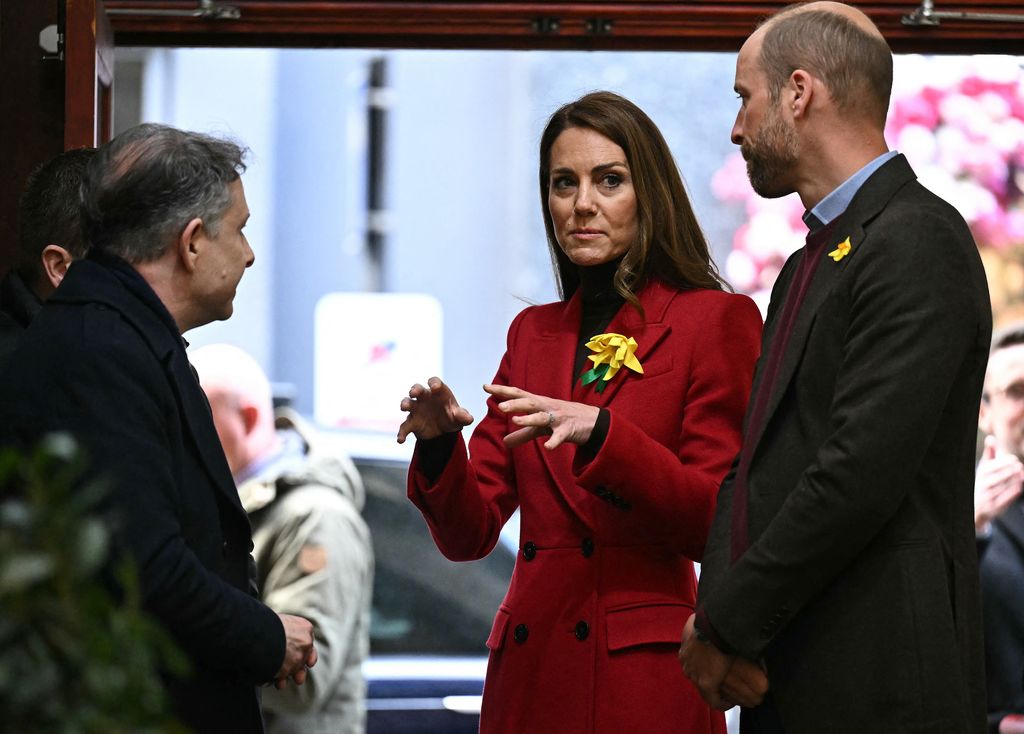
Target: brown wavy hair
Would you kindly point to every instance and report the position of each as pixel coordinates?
(670, 244)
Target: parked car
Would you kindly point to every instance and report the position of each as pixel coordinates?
(430, 616)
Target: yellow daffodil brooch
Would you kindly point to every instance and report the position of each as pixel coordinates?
(612, 352)
(841, 251)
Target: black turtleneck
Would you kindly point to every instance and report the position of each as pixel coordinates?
(600, 302)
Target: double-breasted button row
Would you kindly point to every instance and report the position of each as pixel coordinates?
(520, 633)
(529, 550)
(582, 630)
(611, 498)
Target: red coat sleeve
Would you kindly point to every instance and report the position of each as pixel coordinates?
(469, 503)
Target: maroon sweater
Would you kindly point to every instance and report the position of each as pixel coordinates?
(814, 252)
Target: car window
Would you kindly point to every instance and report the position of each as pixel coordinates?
(422, 602)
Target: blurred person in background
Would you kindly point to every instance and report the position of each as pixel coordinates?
(613, 417)
(49, 238)
(313, 552)
(999, 524)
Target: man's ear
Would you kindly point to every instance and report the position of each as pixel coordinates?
(190, 243)
(55, 261)
(250, 415)
(801, 90)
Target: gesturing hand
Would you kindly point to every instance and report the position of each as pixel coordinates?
(997, 483)
(299, 652)
(563, 421)
(432, 410)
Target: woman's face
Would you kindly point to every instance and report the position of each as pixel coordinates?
(590, 197)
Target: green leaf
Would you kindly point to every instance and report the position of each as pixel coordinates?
(92, 546)
(25, 569)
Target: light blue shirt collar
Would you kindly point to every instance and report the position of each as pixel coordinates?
(837, 202)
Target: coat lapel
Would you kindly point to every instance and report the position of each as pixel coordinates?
(196, 412)
(102, 286)
(867, 203)
(551, 353)
(648, 331)
(825, 277)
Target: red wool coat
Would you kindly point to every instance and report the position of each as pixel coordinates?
(585, 641)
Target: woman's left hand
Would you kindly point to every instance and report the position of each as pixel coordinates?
(540, 416)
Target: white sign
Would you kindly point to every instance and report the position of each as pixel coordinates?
(369, 349)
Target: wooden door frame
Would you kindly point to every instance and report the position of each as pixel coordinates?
(495, 24)
(52, 101)
(89, 74)
(31, 107)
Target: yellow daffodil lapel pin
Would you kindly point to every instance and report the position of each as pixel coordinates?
(841, 251)
(612, 352)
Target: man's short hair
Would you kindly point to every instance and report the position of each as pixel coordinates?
(854, 65)
(148, 183)
(1010, 336)
(49, 211)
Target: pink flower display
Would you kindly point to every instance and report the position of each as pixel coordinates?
(960, 122)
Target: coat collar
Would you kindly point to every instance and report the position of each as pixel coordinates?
(97, 281)
(552, 353)
(17, 300)
(112, 282)
(869, 201)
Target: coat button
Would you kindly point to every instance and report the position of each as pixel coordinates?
(224, 549)
(529, 550)
(582, 630)
(520, 633)
(587, 546)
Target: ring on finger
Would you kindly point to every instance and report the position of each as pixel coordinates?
(551, 419)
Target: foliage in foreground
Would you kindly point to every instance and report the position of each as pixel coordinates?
(74, 657)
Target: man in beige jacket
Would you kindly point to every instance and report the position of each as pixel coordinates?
(313, 552)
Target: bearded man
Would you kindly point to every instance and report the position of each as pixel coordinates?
(839, 589)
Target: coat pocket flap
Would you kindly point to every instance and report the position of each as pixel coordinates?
(497, 637)
(645, 624)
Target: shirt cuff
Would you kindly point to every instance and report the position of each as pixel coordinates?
(435, 454)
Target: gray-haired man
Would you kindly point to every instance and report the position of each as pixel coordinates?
(163, 211)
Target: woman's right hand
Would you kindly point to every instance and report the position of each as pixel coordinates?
(433, 410)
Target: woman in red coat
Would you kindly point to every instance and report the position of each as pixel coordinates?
(613, 418)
